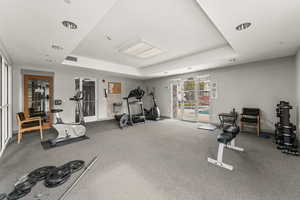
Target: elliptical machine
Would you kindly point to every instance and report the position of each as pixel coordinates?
(153, 113)
(70, 131)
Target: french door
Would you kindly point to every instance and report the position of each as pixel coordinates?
(204, 99)
(89, 91)
(5, 103)
(176, 100)
(191, 99)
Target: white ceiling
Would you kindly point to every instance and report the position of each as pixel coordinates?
(194, 36)
(29, 28)
(275, 26)
(177, 27)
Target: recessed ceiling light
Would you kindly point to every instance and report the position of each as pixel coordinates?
(57, 47)
(243, 26)
(69, 24)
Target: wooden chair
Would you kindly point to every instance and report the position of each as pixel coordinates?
(251, 116)
(28, 124)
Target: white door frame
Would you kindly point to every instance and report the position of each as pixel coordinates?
(6, 124)
(91, 118)
(206, 77)
(180, 83)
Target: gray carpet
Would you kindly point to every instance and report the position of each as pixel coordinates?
(159, 161)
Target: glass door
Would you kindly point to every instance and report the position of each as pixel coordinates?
(38, 98)
(5, 104)
(189, 107)
(203, 102)
(89, 92)
(191, 99)
(176, 99)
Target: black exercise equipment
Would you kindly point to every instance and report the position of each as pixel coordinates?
(22, 188)
(285, 136)
(228, 118)
(26, 185)
(51, 175)
(41, 173)
(58, 177)
(78, 99)
(3, 196)
(17, 194)
(129, 118)
(226, 139)
(153, 113)
(77, 179)
(75, 165)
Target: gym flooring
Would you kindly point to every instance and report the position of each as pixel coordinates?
(158, 161)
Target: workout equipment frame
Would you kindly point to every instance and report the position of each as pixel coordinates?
(153, 113)
(130, 118)
(285, 136)
(219, 162)
(69, 131)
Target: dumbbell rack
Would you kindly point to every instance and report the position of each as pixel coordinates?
(285, 136)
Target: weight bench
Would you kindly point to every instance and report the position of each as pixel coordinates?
(226, 139)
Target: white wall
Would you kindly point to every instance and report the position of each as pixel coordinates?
(298, 88)
(64, 88)
(259, 84)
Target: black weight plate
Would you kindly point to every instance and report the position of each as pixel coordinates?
(41, 173)
(25, 185)
(56, 183)
(124, 121)
(3, 196)
(58, 176)
(75, 165)
(18, 194)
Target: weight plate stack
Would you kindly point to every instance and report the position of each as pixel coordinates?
(3, 196)
(42, 173)
(26, 185)
(58, 176)
(75, 165)
(18, 194)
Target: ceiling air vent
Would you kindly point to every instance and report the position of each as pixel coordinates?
(141, 49)
(71, 58)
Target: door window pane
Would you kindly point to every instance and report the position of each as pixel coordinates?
(89, 98)
(39, 99)
(189, 100)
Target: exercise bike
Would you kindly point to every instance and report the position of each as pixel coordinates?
(69, 131)
(153, 113)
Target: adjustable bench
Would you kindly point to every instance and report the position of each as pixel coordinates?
(226, 139)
